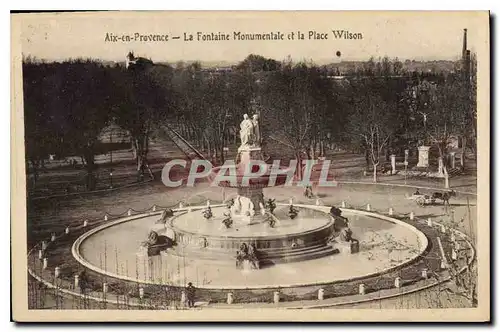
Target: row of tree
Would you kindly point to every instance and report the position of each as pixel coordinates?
(68, 104)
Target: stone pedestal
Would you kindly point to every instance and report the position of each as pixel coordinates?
(246, 154)
(423, 156)
(321, 294)
(276, 297)
(393, 164)
(255, 195)
(351, 247)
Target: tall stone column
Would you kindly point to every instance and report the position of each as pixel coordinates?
(452, 159)
(423, 156)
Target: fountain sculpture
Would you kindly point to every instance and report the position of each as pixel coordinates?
(249, 229)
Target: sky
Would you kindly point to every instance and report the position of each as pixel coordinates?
(415, 35)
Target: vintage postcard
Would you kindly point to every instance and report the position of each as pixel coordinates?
(250, 166)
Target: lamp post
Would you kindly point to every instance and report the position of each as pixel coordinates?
(406, 163)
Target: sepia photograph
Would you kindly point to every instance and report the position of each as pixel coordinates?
(250, 166)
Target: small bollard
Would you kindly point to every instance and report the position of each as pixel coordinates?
(318, 202)
(208, 203)
(53, 237)
(424, 273)
(391, 211)
(443, 229)
(77, 281)
(57, 271)
(368, 207)
(362, 289)
(66, 231)
(454, 255)
(397, 282)
(129, 212)
(412, 215)
(45, 263)
(230, 298)
(105, 217)
(321, 294)
(40, 254)
(104, 288)
(276, 297)
(290, 201)
(429, 222)
(44, 245)
(183, 298)
(154, 208)
(343, 204)
(85, 223)
(141, 293)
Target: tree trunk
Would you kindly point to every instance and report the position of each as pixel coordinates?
(134, 148)
(90, 166)
(313, 150)
(209, 148)
(34, 165)
(298, 172)
(375, 172)
(462, 155)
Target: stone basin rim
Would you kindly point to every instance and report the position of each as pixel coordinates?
(327, 224)
(75, 250)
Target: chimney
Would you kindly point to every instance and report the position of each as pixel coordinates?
(464, 48)
(467, 66)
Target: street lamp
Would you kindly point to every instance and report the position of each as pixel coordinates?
(406, 163)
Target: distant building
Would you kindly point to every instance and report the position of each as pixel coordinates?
(132, 62)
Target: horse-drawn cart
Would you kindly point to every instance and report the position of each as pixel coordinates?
(423, 200)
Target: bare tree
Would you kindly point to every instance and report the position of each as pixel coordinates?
(373, 122)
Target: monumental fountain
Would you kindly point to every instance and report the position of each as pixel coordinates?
(249, 241)
(248, 228)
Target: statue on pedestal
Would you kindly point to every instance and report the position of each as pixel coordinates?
(246, 131)
(256, 131)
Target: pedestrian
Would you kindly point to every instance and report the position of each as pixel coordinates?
(190, 291)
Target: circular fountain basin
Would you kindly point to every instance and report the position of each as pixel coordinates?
(385, 243)
(304, 237)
